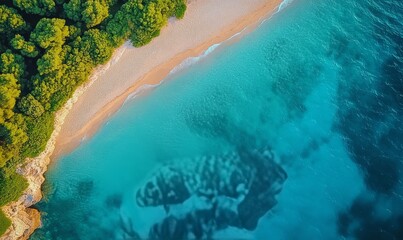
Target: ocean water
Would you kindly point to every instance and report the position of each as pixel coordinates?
(293, 132)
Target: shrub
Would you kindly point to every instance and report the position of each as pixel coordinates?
(11, 187)
(5, 223)
(30, 106)
(38, 131)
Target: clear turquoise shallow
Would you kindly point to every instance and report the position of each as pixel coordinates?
(320, 83)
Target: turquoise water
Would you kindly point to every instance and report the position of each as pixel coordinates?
(293, 132)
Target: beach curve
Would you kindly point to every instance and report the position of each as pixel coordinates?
(90, 113)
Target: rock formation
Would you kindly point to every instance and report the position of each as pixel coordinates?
(235, 189)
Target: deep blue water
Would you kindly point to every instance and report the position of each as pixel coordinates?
(293, 132)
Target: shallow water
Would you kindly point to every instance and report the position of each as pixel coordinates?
(297, 126)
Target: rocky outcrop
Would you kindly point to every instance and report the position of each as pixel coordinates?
(24, 223)
(24, 219)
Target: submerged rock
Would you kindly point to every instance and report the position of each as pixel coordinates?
(238, 188)
(196, 224)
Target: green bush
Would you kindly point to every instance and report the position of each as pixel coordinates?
(180, 11)
(38, 131)
(11, 187)
(30, 106)
(5, 223)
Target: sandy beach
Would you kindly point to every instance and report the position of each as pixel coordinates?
(206, 23)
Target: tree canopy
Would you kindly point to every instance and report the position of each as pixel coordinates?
(50, 32)
(40, 7)
(26, 48)
(91, 12)
(10, 20)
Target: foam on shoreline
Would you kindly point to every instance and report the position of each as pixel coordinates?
(194, 59)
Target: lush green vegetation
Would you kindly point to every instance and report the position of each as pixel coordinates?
(4, 222)
(47, 49)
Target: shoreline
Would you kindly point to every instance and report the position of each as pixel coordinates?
(156, 76)
(25, 219)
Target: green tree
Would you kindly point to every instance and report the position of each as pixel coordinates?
(12, 137)
(9, 92)
(73, 10)
(51, 61)
(180, 10)
(10, 20)
(30, 106)
(11, 186)
(148, 17)
(40, 7)
(5, 223)
(12, 131)
(96, 44)
(12, 64)
(26, 48)
(39, 130)
(50, 32)
(95, 11)
(6, 153)
(91, 12)
(74, 32)
(44, 87)
(118, 28)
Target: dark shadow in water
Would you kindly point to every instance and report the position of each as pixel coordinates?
(361, 222)
(199, 224)
(393, 78)
(312, 147)
(373, 126)
(371, 120)
(114, 201)
(85, 188)
(387, 24)
(288, 79)
(338, 46)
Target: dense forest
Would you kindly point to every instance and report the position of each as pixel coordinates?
(47, 49)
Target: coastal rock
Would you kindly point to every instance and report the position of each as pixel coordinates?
(236, 190)
(261, 196)
(25, 222)
(206, 176)
(24, 219)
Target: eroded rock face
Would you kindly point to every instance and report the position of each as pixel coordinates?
(24, 219)
(235, 189)
(24, 223)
